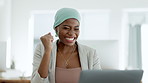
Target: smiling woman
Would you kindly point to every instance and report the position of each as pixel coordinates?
(54, 62)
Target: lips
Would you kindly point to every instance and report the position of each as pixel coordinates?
(70, 40)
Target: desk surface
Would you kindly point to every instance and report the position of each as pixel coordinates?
(14, 80)
(13, 76)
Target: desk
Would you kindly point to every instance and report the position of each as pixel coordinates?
(3, 80)
(13, 76)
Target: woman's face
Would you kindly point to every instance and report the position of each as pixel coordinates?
(68, 31)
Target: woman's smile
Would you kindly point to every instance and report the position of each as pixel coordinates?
(70, 40)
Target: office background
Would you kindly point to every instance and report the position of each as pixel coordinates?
(113, 26)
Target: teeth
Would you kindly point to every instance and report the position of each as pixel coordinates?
(70, 38)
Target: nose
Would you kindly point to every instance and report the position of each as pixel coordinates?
(71, 32)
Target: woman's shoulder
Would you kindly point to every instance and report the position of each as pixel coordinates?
(85, 47)
(39, 45)
(39, 48)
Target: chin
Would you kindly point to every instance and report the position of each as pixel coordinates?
(70, 44)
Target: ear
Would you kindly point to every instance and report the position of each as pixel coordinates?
(56, 31)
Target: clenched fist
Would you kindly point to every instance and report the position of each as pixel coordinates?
(47, 41)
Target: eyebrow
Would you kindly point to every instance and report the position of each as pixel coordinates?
(69, 26)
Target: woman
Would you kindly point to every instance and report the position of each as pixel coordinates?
(63, 60)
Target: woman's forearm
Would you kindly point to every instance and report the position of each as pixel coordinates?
(44, 65)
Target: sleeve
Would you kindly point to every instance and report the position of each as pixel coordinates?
(96, 61)
(36, 62)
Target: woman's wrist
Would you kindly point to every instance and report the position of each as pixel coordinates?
(47, 51)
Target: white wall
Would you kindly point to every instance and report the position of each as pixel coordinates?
(5, 20)
(5, 27)
(21, 10)
(144, 40)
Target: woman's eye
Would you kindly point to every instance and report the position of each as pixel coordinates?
(76, 29)
(65, 28)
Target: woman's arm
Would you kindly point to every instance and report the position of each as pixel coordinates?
(44, 65)
(41, 60)
(43, 68)
(37, 58)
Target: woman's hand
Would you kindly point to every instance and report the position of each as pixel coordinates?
(47, 41)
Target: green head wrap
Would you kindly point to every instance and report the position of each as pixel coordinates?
(64, 14)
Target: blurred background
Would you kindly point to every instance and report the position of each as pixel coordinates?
(117, 29)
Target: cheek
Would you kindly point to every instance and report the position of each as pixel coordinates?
(77, 34)
(61, 33)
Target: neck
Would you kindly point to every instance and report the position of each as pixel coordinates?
(63, 47)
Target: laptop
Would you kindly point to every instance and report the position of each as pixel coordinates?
(111, 76)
